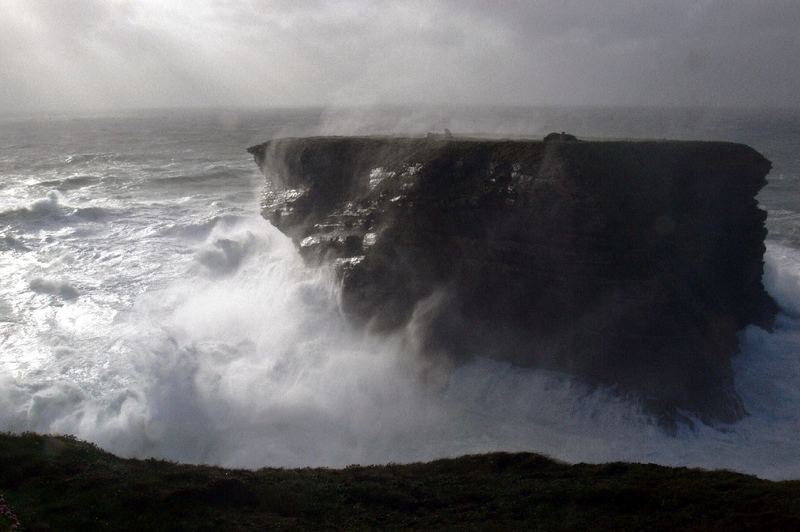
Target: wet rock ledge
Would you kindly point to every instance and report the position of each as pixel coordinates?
(630, 264)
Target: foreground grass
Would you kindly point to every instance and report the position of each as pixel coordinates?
(56, 483)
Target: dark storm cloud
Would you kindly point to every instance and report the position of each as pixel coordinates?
(80, 54)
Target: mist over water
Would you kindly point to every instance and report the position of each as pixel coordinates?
(146, 306)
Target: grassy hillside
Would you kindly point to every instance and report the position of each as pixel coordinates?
(57, 483)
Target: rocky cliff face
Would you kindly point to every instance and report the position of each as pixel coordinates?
(629, 264)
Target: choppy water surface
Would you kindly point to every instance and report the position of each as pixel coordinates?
(145, 306)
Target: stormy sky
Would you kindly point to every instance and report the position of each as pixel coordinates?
(116, 54)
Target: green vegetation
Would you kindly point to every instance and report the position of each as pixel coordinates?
(59, 483)
(8, 519)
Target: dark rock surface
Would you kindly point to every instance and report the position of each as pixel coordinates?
(631, 264)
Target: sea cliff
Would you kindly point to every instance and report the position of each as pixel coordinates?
(629, 264)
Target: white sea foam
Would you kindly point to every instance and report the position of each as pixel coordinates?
(53, 207)
(198, 335)
(52, 203)
(257, 367)
(782, 277)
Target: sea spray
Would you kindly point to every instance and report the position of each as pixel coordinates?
(197, 334)
(252, 364)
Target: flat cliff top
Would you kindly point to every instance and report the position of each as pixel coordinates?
(436, 137)
(439, 140)
(625, 154)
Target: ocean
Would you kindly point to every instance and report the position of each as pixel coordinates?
(147, 307)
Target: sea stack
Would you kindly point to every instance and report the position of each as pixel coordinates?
(629, 264)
